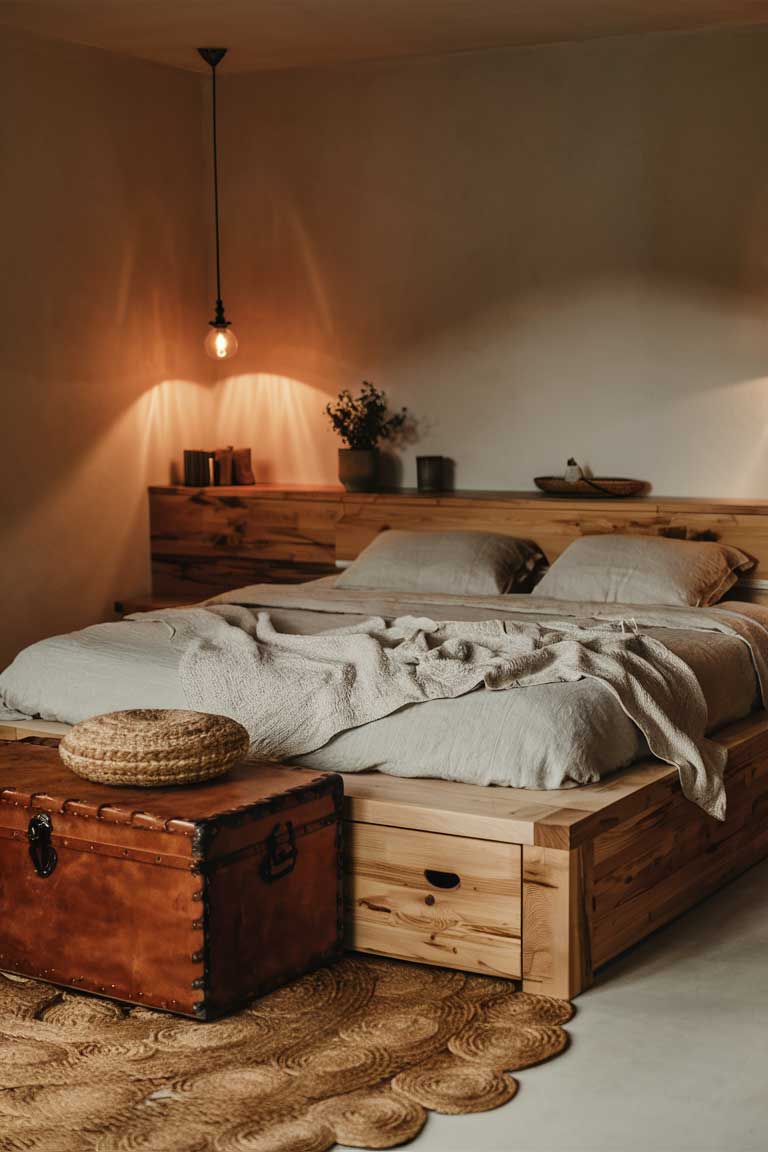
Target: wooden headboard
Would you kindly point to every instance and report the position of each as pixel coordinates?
(206, 540)
(553, 523)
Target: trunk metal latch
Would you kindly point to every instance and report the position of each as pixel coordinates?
(41, 850)
(281, 853)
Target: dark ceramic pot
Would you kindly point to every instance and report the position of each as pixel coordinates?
(430, 473)
(358, 469)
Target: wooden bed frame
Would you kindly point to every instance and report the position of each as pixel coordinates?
(539, 886)
(542, 886)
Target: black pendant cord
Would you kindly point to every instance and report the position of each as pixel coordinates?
(219, 306)
(213, 56)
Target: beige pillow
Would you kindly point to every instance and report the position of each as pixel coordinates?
(644, 570)
(471, 563)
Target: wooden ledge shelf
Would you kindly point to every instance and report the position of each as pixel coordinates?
(250, 491)
(511, 498)
(209, 540)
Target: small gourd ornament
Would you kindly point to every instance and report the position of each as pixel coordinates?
(573, 472)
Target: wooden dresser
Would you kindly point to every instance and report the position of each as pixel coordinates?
(208, 540)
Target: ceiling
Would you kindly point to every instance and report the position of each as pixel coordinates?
(264, 34)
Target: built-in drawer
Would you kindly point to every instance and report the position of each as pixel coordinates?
(436, 899)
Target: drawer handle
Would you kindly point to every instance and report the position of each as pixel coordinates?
(443, 880)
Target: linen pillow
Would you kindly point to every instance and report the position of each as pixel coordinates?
(471, 563)
(644, 570)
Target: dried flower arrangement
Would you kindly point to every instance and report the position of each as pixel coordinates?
(363, 421)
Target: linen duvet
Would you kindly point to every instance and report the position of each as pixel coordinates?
(558, 726)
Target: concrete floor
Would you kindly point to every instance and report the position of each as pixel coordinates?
(669, 1050)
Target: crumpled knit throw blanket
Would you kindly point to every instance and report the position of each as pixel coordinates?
(293, 693)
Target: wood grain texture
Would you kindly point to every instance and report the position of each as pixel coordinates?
(190, 579)
(553, 523)
(556, 818)
(393, 908)
(552, 818)
(556, 913)
(506, 815)
(22, 729)
(651, 868)
(207, 540)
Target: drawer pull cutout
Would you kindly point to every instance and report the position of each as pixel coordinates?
(41, 851)
(443, 880)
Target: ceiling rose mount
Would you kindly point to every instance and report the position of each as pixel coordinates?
(212, 56)
(221, 342)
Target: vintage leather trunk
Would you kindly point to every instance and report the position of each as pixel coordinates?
(193, 900)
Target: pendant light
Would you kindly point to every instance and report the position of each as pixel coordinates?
(221, 342)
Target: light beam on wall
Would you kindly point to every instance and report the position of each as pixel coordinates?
(221, 342)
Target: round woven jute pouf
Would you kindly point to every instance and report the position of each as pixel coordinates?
(154, 747)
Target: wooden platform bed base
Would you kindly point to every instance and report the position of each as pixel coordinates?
(540, 886)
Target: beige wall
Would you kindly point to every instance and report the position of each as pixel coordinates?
(540, 251)
(102, 298)
(543, 252)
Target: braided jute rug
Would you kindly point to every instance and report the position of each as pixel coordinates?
(355, 1054)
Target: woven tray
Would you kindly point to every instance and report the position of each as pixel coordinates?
(597, 487)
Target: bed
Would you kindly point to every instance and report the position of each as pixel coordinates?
(540, 884)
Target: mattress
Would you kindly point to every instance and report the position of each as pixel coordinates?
(134, 664)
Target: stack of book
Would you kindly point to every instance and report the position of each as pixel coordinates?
(223, 466)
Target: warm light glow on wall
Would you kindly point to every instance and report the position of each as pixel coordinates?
(281, 419)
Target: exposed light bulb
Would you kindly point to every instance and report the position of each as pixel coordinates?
(221, 343)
